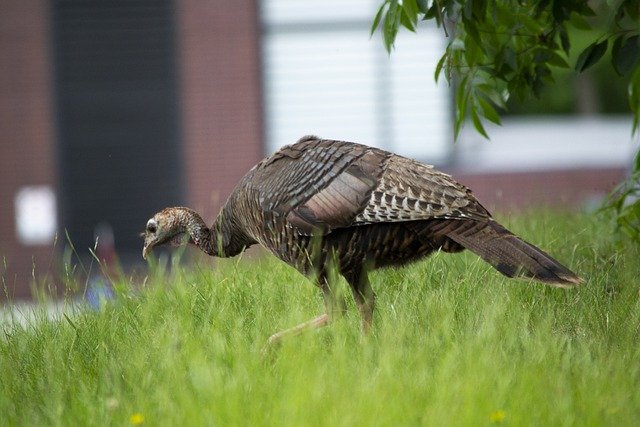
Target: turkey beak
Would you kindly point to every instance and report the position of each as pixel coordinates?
(150, 237)
(149, 243)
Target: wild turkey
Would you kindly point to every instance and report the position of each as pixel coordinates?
(320, 202)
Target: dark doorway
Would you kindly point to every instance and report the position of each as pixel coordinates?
(117, 116)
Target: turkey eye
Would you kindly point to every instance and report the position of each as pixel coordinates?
(152, 226)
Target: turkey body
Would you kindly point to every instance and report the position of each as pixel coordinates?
(366, 207)
(321, 203)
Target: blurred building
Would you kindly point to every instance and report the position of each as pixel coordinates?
(111, 110)
(117, 109)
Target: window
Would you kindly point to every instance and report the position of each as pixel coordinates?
(324, 75)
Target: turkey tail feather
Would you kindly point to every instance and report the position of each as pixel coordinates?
(511, 255)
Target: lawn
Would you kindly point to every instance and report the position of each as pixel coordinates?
(453, 343)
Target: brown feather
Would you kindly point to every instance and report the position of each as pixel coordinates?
(511, 255)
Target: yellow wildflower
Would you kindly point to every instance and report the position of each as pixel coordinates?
(136, 419)
(497, 416)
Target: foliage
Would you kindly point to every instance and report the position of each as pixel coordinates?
(453, 343)
(511, 47)
(625, 203)
(599, 90)
(508, 48)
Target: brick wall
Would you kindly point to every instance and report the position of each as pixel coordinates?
(27, 150)
(568, 189)
(218, 45)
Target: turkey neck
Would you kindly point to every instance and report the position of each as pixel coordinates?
(223, 239)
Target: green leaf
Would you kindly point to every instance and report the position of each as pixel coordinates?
(479, 10)
(518, 86)
(591, 55)
(411, 9)
(432, 12)
(472, 52)
(439, 66)
(510, 58)
(556, 60)
(472, 30)
(378, 17)
(477, 123)
(541, 55)
(391, 24)
(564, 40)
(406, 21)
(632, 9)
(625, 53)
(407, 17)
(578, 21)
(488, 111)
(500, 100)
(541, 6)
(584, 9)
(461, 106)
(540, 77)
(532, 25)
(560, 10)
(423, 5)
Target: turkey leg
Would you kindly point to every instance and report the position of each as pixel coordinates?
(334, 310)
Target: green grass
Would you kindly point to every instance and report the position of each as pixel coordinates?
(453, 343)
